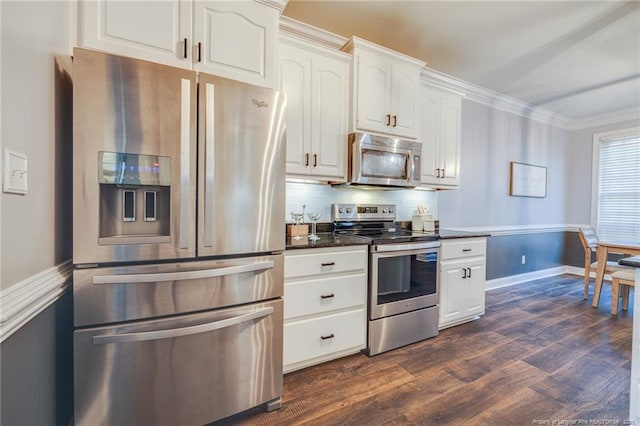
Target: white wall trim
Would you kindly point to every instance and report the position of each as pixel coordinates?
(496, 231)
(24, 300)
(535, 275)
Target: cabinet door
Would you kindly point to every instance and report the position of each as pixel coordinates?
(238, 40)
(295, 71)
(374, 91)
(474, 291)
(330, 89)
(450, 114)
(158, 31)
(404, 87)
(429, 126)
(452, 292)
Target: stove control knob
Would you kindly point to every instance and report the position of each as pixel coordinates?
(390, 210)
(340, 210)
(384, 210)
(349, 210)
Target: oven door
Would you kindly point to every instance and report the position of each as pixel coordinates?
(403, 278)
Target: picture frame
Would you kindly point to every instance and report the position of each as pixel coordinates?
(527, 180)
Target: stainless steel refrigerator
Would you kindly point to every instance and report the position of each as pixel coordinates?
(179, 182)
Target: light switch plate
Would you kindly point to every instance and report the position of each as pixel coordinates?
(15, 172)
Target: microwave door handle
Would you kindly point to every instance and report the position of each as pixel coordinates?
(180, 276)
(183, 331)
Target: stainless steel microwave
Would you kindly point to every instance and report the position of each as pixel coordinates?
(383, 161)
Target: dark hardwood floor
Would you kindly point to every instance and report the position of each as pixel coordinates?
(541, 352)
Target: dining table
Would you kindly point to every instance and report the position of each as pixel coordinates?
(602, 252)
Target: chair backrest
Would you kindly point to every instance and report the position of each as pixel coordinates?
(589, 239)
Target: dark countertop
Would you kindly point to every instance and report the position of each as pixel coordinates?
(327, 239)
(630, 261)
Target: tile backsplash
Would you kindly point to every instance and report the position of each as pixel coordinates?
(319, 197)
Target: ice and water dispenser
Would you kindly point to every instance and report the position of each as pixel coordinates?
(135, 193)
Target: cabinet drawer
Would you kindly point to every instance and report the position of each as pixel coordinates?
(324, 294)
(303, 340)
(465, 247)
(324, 261)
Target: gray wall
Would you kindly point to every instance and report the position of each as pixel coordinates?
(35, 227)
(36, 370)
(490, 140)
(36, 373)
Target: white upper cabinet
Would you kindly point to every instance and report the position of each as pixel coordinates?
(158, 31)
(234, 39)
(316, 82)
(384, 84)
(440, 136)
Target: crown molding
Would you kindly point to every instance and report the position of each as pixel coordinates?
(493, 99)
(279, 5)
(358, 43)
(316, 36)
(604, 119)
(24, 300)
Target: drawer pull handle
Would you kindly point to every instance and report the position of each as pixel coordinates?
(331, 336)
(469, 275)
(466, 249)
(328, 264)
(327, 296)
(464, 271)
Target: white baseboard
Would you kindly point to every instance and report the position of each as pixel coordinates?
(535, 275)
(21, 302)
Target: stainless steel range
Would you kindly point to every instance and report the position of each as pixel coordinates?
(403, 275)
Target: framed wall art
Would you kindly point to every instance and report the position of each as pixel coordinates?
(527, 180)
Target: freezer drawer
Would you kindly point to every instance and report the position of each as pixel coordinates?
(109, 295)
(187, 370)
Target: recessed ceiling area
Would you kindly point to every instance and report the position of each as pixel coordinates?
(579, 59)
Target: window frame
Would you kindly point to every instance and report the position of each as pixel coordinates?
(598, 138)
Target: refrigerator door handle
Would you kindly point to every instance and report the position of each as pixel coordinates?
(209, 162)
(183, 331)
(185, 158)
(179, 276)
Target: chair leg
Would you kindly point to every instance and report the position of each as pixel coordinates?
(587, 270)
(625, 297)
(615, 296)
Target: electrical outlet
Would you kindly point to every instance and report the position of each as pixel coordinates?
(524, 259)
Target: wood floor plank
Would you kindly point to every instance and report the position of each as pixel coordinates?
(540, 352)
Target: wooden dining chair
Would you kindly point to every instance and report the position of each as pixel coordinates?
(625, 278)
(589, 241)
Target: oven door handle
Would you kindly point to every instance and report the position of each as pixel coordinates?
(179, 276)
(182, 331)
(403, 247)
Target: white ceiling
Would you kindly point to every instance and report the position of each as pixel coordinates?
(579, 59)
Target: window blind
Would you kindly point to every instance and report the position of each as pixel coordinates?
(619, 189)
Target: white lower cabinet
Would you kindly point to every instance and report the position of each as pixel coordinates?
(325, 295)
(462, 280)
